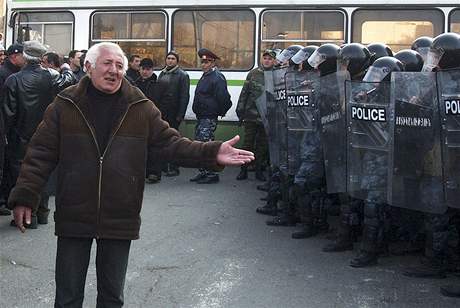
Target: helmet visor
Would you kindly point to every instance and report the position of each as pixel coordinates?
(423, 51)
(432, 60)
(376, 74)
(316, 59)
(285, 55)
(300, 56)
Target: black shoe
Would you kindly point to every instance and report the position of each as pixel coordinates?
(209, 179)
(364, 259)
(197, 177)
(430, 269)
(42, 219)
(243, 175)
(260, 176)
(172, 172)
(32, 225)
(451, 290)
(307, 231)
(264, 198)
(263, 187)
(267, 210)
(282, 221)
(4, 211)
(153, 178)
(338, 246)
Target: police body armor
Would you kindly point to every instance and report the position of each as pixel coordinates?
(415, 164)
(369, 132)
(302, 113)
(449, 102)
(333, 129)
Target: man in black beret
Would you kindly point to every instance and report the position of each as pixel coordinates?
(211, 101)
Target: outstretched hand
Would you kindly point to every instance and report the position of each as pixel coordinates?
(230, 156)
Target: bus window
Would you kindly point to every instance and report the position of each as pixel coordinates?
(53, 29)
(229, 34)
(283, 28)
(454, 21)
(137, 33)
(402, 27)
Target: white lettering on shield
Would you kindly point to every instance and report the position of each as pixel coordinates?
(368, 114)
(452, 106)
(413, 122)
(280, 95)
(298, 100)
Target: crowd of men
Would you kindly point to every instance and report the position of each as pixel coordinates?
(369, 134)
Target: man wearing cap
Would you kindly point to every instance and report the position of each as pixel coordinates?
(175, 85)
(246, 110)
(211, 101)
(27, 94)
(11, 65)
(147, 84)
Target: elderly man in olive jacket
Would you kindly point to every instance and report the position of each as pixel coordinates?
(98, 133)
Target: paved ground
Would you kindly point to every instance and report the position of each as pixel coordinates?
(205, 247)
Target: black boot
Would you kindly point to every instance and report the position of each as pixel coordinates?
(243, 175)
(451, 290)
(306, 231)
(343, 241)
(283, 220)
(269, 209)
(433, 268)
(260, 175)
(364, 259)
(264, 187)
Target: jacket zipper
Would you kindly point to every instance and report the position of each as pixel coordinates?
(101, 157)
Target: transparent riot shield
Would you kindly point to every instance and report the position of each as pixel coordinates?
(272, 133)
(369, 131)
(449, 103)
(302, 113)
(415, 164)
(280, 116)
(333, 129)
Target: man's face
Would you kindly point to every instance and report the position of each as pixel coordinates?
(146, 72)
(135, 65)
(267, 61)
(207, 65)
(17, 59)
(76, 60)
(107, 74)
(171, 61)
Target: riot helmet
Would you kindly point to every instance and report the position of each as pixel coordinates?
(303, 54)
(412, 60)
(325, 59)
(381, 69)
(379, 50)
(422, 46)
(288, 53)
(354, 58)
(444, 52)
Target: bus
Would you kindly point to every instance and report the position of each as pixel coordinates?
(237, 31)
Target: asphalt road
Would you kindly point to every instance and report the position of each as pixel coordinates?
(203, 246)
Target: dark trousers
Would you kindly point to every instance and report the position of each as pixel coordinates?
(72, 260)
(255, 141)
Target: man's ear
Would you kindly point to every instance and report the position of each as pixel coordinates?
(88, 68)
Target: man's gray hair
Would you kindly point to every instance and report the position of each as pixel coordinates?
(95, 51)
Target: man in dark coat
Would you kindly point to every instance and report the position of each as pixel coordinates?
(148, 85)
(133, 72)
(211, 101)
(11, 65)
(175, 85)
(97, 133)
(27, 94)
